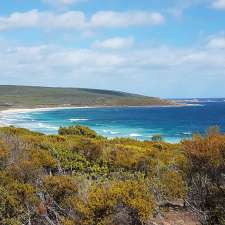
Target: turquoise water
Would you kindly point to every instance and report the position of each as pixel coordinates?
(173, 123)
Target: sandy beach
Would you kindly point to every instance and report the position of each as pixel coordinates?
(28, 110)
(43, 109)
(14, 111)
(40, 109)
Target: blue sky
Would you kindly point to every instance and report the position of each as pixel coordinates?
(169, 48)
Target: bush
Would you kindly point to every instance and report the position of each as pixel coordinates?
(157, 138)
(77, 130)
(106, 200)
(91, 149)
(80, 178)
(60, 187)
(206, 175)
(4, 153)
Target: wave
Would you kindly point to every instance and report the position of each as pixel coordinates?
(78, 119)
(114, 132)
(187, 133)
(135, 135)
(38, 126)
(46, 126)
(9, 119)
(111, 132)
(14, 118)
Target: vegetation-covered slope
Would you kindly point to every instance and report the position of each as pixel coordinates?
(22, 96)
(78, 177)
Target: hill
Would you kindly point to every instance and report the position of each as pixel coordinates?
(28, 96)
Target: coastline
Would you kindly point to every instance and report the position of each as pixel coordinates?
(40, 109)
(53, 108)
(29, 118)
(11, 111)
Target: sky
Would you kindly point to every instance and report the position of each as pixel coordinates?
(164, 48)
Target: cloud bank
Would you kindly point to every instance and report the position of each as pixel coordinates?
(115, 43)
(115, 49)
(217, 42)
(78, 20)
(117, 68)
(219, 4)
(63, 2)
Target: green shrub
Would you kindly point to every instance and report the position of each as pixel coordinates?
(77, 130)
(157, 138)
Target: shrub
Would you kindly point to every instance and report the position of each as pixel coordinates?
(60, 187)
(4, 153)
(105, 200)
(206, 175)
(157, 138)
(91, 149)
(78, 130)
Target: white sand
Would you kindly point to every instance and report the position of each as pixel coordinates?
(43, 109)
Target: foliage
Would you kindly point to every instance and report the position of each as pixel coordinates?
(206, 175)
(103, 199)
(23, 96)
(157, 138)
(60, 187)
(4, 152)
(78, 130)
(77, 177)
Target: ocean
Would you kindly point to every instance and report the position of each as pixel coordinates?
(172, 123)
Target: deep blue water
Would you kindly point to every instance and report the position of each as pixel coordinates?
(173, 123)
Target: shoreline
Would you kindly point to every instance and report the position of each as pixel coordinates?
(53, 108)
(13, 111)
(5, 114)
(40, 109)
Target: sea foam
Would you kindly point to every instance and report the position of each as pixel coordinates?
(135, 135)
(78, 119)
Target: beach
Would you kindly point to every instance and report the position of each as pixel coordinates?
(174, 122)
(11, 111)
(30, 110)
(47, 108)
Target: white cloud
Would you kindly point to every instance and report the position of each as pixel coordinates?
(78, 20)
(178, 7)
(63, 2)
(217, 42)
(126, 19)
(48, 20)
(20, 20)
(115, 43)
(80, 58)
(110, 62)
(146, 69)
(218, 4)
